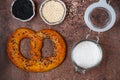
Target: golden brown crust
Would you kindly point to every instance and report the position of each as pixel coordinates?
(36, 63)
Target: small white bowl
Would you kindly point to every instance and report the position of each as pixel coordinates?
(19, 18)
(52, 23)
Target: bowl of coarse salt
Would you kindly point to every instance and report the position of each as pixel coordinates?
(52, 12)
(85, 55)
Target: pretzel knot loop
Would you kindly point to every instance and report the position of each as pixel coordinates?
(36, 63)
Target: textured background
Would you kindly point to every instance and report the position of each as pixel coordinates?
(73, 29)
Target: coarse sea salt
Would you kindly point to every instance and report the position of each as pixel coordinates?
(87, 54)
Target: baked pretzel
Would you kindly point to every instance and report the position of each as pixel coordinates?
(36, 63)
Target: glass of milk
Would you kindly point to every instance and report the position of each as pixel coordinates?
(86, 54)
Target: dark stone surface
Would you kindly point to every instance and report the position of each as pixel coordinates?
(73, 29)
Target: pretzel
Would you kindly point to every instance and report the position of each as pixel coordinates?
(36, 63)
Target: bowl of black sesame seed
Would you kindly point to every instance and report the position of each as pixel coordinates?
(23, 10)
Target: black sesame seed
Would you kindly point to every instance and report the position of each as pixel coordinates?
(22, 9)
